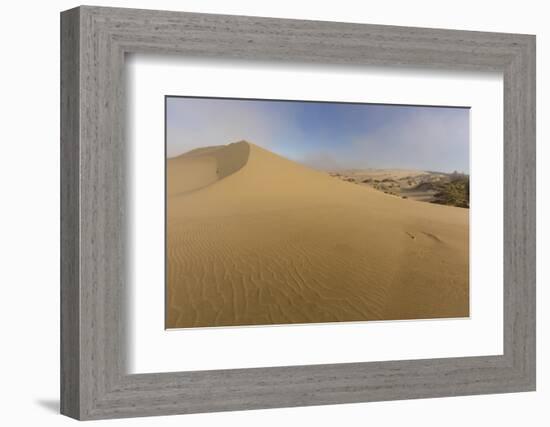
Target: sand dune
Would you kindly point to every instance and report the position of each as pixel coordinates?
(203, 166)
(254, 238)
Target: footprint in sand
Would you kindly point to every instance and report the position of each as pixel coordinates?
(429, 235)
(432, 236)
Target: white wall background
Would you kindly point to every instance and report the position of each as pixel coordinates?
(29, 225)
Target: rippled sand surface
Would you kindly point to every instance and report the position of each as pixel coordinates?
(254, 238)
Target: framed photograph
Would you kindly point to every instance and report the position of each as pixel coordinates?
(261, 213)
(321, 221)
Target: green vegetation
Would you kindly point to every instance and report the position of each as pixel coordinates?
(455, 192)
(452, 189)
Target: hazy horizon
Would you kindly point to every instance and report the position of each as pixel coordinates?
(326, 136)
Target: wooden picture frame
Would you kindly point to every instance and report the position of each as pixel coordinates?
(94, 382)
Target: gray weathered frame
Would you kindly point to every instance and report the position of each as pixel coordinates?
(94, 41)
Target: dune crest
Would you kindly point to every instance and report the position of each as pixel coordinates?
(203, 166)
(261, 239)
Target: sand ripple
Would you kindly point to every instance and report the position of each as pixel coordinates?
(258, 239)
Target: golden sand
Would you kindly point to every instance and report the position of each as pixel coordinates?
(254, 238)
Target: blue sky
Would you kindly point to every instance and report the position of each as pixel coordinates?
(326, 136)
